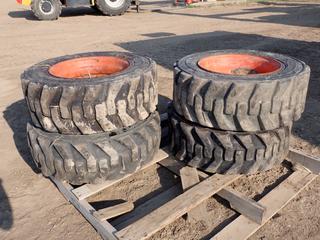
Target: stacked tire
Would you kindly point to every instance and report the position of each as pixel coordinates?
(233, 109)
(93, 115)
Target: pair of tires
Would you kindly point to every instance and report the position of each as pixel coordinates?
(93, 115)
(233, 109)
(51, 9)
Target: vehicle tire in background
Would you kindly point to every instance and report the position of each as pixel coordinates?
(91, 92)
(94, 7)
(228, 152)
(113, 7)
(93, 158)
(46, 9)
(240, 90)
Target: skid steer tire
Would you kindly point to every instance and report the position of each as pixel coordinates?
(214, 90)
(46, 9)
(227, 152)
(60, 100)
(113, 7)
(94, 158)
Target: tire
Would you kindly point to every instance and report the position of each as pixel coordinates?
(69, 104)
(235, 102)
(227, 152)
(94, 158)
(46, 9)
(113, 8)
(94, 7)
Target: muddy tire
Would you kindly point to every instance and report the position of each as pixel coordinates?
(94, 158)
(113, 7)
(227, 152)
(46, 9)
(90, 92)
(234, 97)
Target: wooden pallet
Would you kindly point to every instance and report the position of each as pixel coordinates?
(143, 221)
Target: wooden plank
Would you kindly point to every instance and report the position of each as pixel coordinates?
(175, 166)
(159, 218)
(309, 162)
(189, 178)
(242, 228)
(88, 190)
(147, 207)
(244, 205)
(104, 228)
(114, 211)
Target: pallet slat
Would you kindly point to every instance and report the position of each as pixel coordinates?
(274, 201)
(104, 228)
(189, 178)
(114, 211)
(309, 162)
(244, 205)
(88, 190)
(147, 207)
(159, 218)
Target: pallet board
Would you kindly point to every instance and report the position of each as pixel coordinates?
(189, 178)
(159, 218)
(143, 221)
(274, 201)
(156, 213)
(238, 201)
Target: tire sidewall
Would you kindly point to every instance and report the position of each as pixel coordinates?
(125, 3)
(56, 4)
(111, 11)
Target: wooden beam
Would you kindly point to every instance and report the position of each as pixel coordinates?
(147, 207)
(105, 229)
(242, 228)
(88, 190)
(309, 162)
(238, 201)
(242, 204)
(159, 218)
(189, 178)
(114, 211)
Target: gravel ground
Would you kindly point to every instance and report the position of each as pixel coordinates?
(32, 208)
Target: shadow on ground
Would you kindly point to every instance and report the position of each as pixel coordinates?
(17, 116)
(278, 13)
(6, 219)
(166, 50)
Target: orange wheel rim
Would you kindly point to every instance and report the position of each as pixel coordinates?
(89, 67)
(239, 64)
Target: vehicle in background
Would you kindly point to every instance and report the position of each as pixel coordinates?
(51, 9)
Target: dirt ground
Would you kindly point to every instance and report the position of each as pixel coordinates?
(32, 208)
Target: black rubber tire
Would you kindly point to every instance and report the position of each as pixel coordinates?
(87, 106)
(240, 103)
(227, 152)
(94, 7)
(94, 158)
(112, 11)
(54, 15)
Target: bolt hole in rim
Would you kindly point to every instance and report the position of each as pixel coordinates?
(89, 67)
(239, 64)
